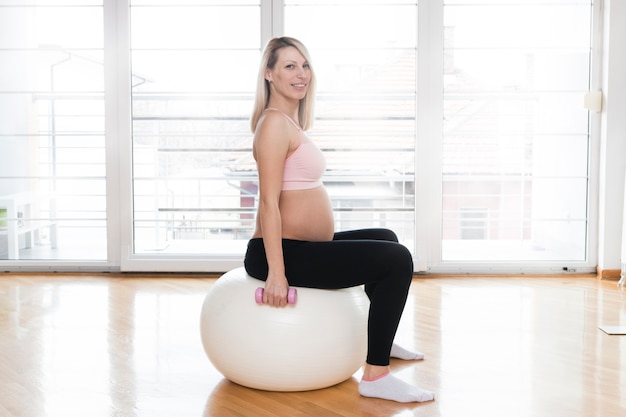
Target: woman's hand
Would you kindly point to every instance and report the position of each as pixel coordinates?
(276, 289)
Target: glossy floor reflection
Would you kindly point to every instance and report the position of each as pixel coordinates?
(129, 346)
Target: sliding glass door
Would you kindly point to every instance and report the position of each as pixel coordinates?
(52, 141)
(515, 132)
(365, 112)
(192, 86)
(194, 178)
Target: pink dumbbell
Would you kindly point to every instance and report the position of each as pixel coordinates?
(292, 295)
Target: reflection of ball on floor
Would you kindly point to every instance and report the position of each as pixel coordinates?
(317, 342)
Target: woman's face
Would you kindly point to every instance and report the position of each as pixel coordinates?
(291, 75)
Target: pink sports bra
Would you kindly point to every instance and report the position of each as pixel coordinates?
(305, 166)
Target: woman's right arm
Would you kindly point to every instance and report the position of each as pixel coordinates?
(271, 147)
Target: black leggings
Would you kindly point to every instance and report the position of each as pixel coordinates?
(370, 256)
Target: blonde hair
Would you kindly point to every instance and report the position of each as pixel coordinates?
(262, 98)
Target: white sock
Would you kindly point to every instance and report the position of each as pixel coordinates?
(389, 387)
(399, 352)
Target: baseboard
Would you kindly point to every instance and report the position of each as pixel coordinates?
(609, 274)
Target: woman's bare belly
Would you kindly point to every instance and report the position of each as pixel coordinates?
(306, 215)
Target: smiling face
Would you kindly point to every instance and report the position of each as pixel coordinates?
(290, 75)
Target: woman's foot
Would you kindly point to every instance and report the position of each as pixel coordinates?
(399, 352)
(389, 387)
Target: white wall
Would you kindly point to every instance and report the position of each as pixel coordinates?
(613, 136)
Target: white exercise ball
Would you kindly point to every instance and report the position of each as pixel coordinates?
(319, 341)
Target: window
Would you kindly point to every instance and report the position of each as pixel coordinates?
(515, 135)
(194, 178)
(365, 111)
(459, 124)
(192, 92)
(52, 143)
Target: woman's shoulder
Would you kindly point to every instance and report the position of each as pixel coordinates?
(275, 123)
(273, 134)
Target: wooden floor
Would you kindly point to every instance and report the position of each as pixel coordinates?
(129, 346)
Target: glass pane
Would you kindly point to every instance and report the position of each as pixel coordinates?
(169, 3)
(194, 28)
(193, 72)
(396, 25)
(515, 131)
(52, 156)
(352, 3)
(193, 86)
(365, 111)
(517, 2)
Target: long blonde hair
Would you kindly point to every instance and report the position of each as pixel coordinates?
(268, 61)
